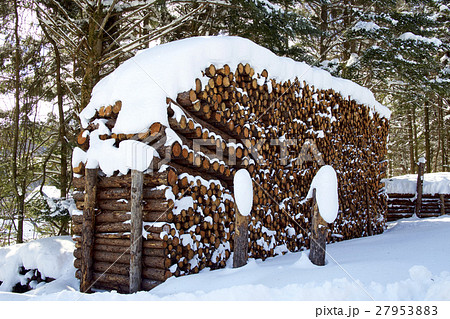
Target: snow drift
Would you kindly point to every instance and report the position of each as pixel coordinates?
(407, 262)
(52, 257)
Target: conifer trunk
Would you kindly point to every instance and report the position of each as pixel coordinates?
(92, 70)
(411, 145)
(323, 30)
(427, 139)
(416, 144)
(62, 125)
(20, 198)
(442, 136)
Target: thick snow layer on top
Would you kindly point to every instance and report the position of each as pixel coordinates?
(143, 82)
(411, 36)
(433, 183)
(411, 249)
(243, 191)
(130, 154)
(325, 183)
(53, 257)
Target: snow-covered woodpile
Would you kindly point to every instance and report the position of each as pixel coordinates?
(31, 278)
(234, 115)
(402, 196)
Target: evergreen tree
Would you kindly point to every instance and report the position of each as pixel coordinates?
(397, 49)
(21, 67)
(403, 67)
(271, 24)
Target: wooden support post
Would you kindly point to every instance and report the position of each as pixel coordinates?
(87, 236)
(442, 198)
(369, 213)
(318, 235)
(419, 189)
(137, 179)
(240, 255)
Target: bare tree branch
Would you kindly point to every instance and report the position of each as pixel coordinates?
(108, 14)
(126, 31)
(54, 28)
(149, 37)
(132, 13)
(69, 19)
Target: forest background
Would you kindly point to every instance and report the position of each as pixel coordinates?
(53, 52)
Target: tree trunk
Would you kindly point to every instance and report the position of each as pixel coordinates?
(87, 237)
(240, 255)
(349, 45)
(412, 161)
(419, 189)
(427, 139)
(416, 144)
(95, 44)
(442, 203)
(62, 125)
(19, 196)
(137, 181)
(438, 149)
(318, 235)
(443, 133)
(369, 213)
(20, 218)
(323, 30)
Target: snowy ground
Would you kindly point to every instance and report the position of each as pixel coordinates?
(410, 261)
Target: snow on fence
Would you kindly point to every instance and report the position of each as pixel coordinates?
(402, 195)
(198, 123)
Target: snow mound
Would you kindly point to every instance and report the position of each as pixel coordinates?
(433, 183)
(304, 262)
(53, 257)
(243, 191)
(420, 274)
(325, 183)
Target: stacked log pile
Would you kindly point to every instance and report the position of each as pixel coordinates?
(29, 280)
(280, 132)
(112, 230)
(402, 205)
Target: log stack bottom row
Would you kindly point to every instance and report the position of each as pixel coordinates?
(404, 205)
(280, 132)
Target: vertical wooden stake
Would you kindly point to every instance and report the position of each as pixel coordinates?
(240, 255)
(369, 217)
(419, 189)
(87, 235)
(137, 179)
(442, 198)
(318, 235)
